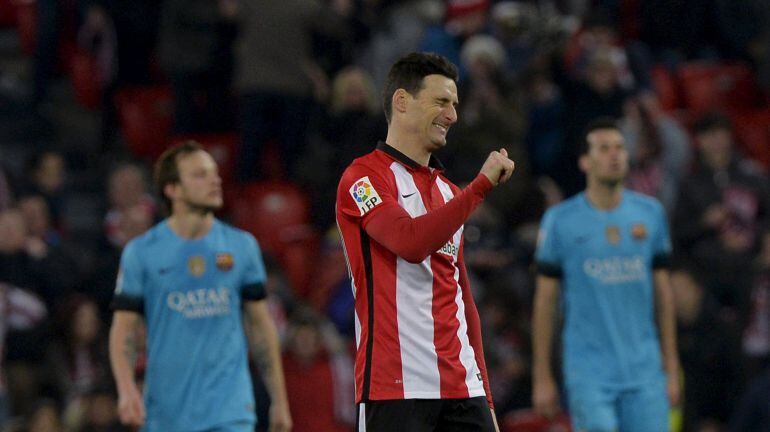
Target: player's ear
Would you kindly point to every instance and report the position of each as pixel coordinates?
(399, 100)
(584, 163)
(170, 190)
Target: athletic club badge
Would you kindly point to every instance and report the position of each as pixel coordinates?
(613, 234)
(196, 265)
(224, 261)
(365, 196)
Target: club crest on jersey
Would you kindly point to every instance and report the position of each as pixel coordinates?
(196, 265)
(225, 261)
(639, 231)
(613, 234)
(365, 196)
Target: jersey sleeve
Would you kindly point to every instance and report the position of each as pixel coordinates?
(661, 245)
(362, 193)
(548, 256)
(129, 287)
(253, 288)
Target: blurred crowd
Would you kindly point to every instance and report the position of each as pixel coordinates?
(286, 93)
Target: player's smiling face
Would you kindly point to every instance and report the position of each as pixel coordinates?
(200, 186)
(433, 110)
(607, 157)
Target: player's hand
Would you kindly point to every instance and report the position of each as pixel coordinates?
(498, 168)
(674, 391)
(131, 407)
(280, 419)
(545, 398)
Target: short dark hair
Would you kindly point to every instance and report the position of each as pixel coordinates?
(167, 168)
(408, 73)
(712, 121)
(596, 124)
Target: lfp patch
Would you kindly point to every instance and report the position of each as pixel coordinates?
(364, 194)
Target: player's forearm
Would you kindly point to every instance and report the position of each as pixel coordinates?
(666, 322)
(542, 330)
(414, 239)
(123, 351)
(266, 350)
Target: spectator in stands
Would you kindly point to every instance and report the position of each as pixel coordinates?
(19, 310)
(127, 192)
(462, 19)
(753, 411)
(351, 121)
(756, 328)
(318, 374)
(47, 249)
(598, 93)
(278, 81)
(708, 352)
(99, 413)
(47, 176)
(194, 49)
(77, 361)
(658, 147)
(45, 417)
(721, 212)
(490, 117)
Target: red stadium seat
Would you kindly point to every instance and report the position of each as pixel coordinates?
(752, 130)
(26, 24)
(709, 87)
(299, 260)
(666, 88)
(7, 13)
(145, 119)
(84, 72)
(528, 421)
(277, 213)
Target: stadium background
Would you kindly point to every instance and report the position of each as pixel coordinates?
(285, 94)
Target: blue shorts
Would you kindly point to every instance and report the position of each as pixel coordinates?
(597, 408)
(240, 426)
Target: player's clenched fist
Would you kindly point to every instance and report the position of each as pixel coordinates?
(498, 168)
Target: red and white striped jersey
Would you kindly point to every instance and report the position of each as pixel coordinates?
(417, 327)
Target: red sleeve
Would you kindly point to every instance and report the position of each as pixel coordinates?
(414, 239)
(474, 325)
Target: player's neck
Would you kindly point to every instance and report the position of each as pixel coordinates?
(191, 225)
(604, 196)
(407, 145)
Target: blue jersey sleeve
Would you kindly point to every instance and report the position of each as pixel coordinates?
(661, 241)
(253, 287)
(129, 292)
(548, 255)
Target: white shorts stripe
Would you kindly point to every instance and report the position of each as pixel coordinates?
(361, 417)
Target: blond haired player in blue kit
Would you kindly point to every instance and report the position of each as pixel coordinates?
(198, 283)
(606, 251)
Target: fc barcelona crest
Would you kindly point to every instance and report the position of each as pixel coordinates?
(225, 261)
(196, 265)
(613, 234)
(639, 231)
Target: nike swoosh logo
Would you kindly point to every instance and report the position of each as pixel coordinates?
(407, 196)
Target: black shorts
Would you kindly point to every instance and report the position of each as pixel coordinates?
(425, 415)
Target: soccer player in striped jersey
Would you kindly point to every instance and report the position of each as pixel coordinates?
(419, 363)
(606, 251)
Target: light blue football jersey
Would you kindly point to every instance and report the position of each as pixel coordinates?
(190, 293)
(605, 260)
